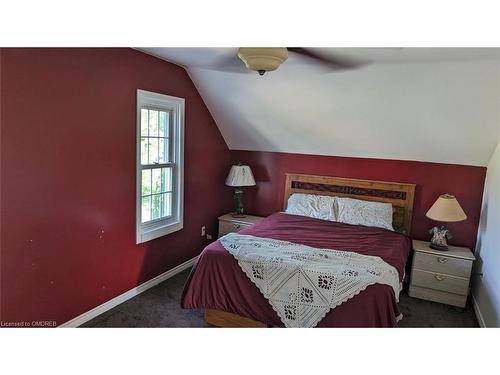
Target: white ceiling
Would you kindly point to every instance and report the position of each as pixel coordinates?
(428, 104)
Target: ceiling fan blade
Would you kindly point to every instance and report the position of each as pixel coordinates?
(230, 64)
(335, 63)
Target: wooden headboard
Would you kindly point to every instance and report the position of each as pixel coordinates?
(401, 195)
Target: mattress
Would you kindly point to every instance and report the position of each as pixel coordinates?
(217, 282)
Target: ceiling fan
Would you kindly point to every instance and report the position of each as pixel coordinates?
(266, 59)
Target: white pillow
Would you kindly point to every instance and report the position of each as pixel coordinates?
(311, 205)
(359, 212)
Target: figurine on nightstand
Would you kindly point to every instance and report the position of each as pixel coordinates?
(440, 234)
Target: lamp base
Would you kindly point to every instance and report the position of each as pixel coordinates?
(437, 247)
(440, 235)
(238, 197)
(238, 215)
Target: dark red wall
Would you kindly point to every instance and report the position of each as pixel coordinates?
(68, 172)
(432, 179)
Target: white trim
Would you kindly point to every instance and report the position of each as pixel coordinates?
(477, 311)
(91, 314)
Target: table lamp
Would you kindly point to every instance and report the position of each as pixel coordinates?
(239, 176)
(445, 209)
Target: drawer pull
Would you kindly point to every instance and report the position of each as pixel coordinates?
(439, 278)
(442, 260)
(237, 226)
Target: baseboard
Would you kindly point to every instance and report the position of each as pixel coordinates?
(477, 311)
(91, 314)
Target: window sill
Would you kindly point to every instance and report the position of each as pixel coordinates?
(146, 235)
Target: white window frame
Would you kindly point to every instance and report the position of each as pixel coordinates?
(161, 227)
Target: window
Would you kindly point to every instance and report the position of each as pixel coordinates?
(160, 169)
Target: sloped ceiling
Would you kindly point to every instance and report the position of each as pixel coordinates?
(427, 104)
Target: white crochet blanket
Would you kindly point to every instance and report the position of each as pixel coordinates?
(303, 283)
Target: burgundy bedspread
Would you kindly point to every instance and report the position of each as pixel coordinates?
(217, 282)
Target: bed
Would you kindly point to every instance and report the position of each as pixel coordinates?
(218, 285)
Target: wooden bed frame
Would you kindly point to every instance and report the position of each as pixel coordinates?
(400, 195)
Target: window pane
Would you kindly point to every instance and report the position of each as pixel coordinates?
(146, 182)
(163, 180)
(163, 150)
(144, 151)
(167, 179)
(163, 124)
(156, 206)
(153, 123)
(153, 151)
(167, 204)
(146, 209)
(156, 182)
(144, 122)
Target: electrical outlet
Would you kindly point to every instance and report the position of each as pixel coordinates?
(203, 231)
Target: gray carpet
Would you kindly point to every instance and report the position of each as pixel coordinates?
(159, 307)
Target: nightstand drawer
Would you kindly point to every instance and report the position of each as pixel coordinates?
(226, 227)
(458, 300)
(438, 281)
(442, 264)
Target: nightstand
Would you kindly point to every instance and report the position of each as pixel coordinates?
(441, 276)
(228, 223)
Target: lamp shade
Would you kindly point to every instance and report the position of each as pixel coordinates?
(446, 209)
(240, 175)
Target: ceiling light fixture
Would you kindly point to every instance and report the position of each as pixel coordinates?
(262, 59)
